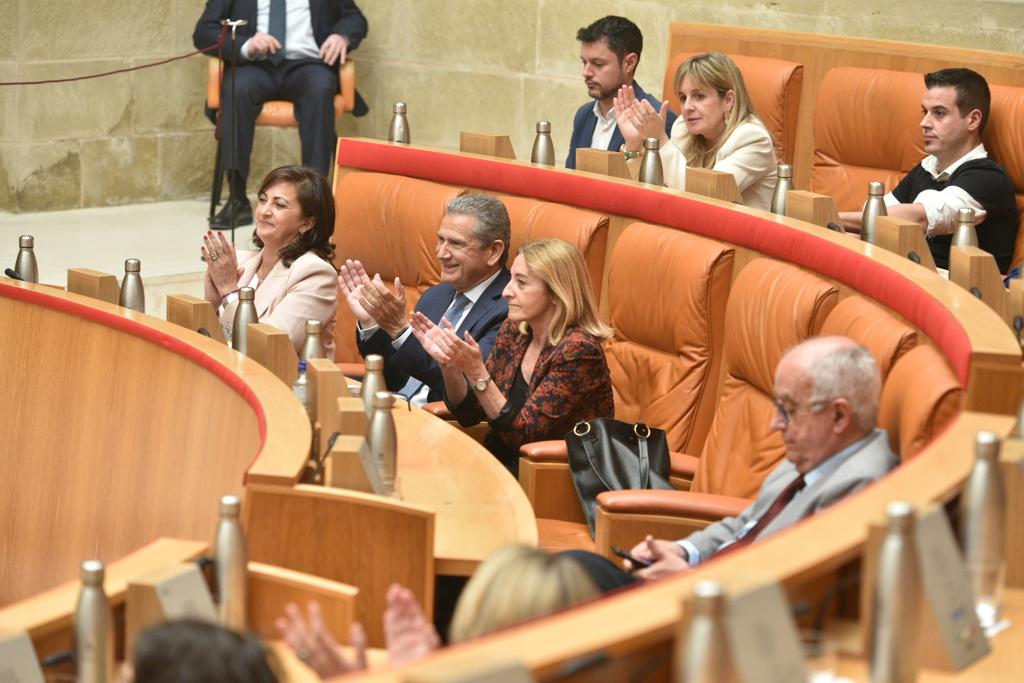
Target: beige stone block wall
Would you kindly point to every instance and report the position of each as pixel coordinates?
(486, 65)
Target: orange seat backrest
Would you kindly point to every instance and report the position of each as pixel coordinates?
(771, 307)
(1004, 140)
(871, 326)
(774, 87)
(919, 398)
(535, 220)
(865, 129)
(666, 297)
(389, 223)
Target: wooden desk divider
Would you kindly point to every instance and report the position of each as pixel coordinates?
(602, 161)
(1012, 460)
(905, 238)
(273, 349)
(364, 540)
(193, 313)
(715, 184)
(487, 144)
(349, 465)
(819, 209)
(976, 271)
(21, 664)
(326, 385)
(352, 417)
(471, 670)
(93, 283)
(175, 591)
(949, 637)
(271, 588)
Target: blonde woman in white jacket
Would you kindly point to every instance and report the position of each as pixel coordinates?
(717, 129)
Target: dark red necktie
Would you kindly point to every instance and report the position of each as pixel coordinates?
(774, 511)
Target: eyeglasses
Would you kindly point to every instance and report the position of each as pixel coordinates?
(788, 413)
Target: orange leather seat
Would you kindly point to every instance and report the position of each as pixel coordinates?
(865, 129)
(919, 399)
(886, 337)
(535, 220)
(774, 87)
(392, 228)
(1004, 141)
(772, 306)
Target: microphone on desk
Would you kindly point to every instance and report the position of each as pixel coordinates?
(13, 274)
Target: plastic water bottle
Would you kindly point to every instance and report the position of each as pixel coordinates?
(300, 387)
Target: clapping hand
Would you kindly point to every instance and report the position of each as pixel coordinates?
(314, 644)
(385, 306)
(222, 271)
(350, 280)
(408, 633)
(443, 344)
(638, 120)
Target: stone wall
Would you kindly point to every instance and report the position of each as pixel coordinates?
(485, 65)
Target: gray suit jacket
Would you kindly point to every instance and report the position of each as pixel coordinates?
(871, 462)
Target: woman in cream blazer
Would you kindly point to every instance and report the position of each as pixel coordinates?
(717, 129)
(292, 273)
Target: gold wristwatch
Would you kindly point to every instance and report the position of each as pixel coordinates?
(630, 155)
(481, 384)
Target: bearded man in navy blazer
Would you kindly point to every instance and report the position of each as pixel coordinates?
(472, 248)
(610, 51)
(289, 50)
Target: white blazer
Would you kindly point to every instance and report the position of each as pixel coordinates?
(289, 296)
(748, 155)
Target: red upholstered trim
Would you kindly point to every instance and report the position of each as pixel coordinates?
(760, 233)
(137, 329)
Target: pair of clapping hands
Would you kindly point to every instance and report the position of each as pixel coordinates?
(409, 636)
(373, 303)
(638, 120)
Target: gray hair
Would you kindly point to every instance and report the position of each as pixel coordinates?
(849, 372)
(492, 221)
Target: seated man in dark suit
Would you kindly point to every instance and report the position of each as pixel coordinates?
(957, 173)
(472, 248)
(289, 50)
(610, 50)
(826, 404)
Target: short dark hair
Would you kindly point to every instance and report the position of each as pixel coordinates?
(190, 650)
(622, 35)
(316, 201)
(971, 90)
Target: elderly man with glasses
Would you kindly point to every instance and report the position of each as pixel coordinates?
(826, 399)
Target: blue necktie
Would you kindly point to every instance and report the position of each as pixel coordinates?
(453, 314)
(278, 28)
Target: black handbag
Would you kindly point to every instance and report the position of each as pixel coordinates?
(606, 454)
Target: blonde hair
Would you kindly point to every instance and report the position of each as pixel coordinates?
(716, 71)
(514, 584)
(559, 265)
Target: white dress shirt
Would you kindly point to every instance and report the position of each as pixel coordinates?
(941, 206)
(299, 42)
(605, 127)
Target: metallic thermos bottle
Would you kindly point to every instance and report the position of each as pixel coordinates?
(399, 131)
(382, 440)
(132, 294)
(650, 168)
(966, 235)
(983, 528)
(894, 632)
(543, 148)
(314, 347)
(782, 187)
(93, 628)
(25, 264)
(704, 651)
(873, 208)
(245, 315)
(373, 382)
(230, 564)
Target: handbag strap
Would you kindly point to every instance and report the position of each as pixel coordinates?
(645, 461)
(588, 448)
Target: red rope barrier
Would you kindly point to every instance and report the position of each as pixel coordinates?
(216, 46)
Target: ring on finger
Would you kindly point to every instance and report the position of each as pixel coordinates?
(304, 655)
(214, 256)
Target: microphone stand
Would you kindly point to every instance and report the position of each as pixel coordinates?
(234, 24)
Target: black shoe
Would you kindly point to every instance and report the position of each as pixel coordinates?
(222, 221)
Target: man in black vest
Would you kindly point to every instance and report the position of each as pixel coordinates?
(289, 50)
(957, 173)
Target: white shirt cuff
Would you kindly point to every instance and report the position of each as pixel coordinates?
(400, 339)
(941, 207)
(243, 51)
(366, 332)
(692, 554)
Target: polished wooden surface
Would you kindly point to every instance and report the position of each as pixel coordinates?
(708, 182)
(488, 144)
(192, 313)
(817, 209)
(271, 588)
(903, 238)
(273, 349)
(94, 284)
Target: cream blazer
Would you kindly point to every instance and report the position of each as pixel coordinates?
(289, 296)
(748, 155)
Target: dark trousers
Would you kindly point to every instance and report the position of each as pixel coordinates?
(309, 83)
